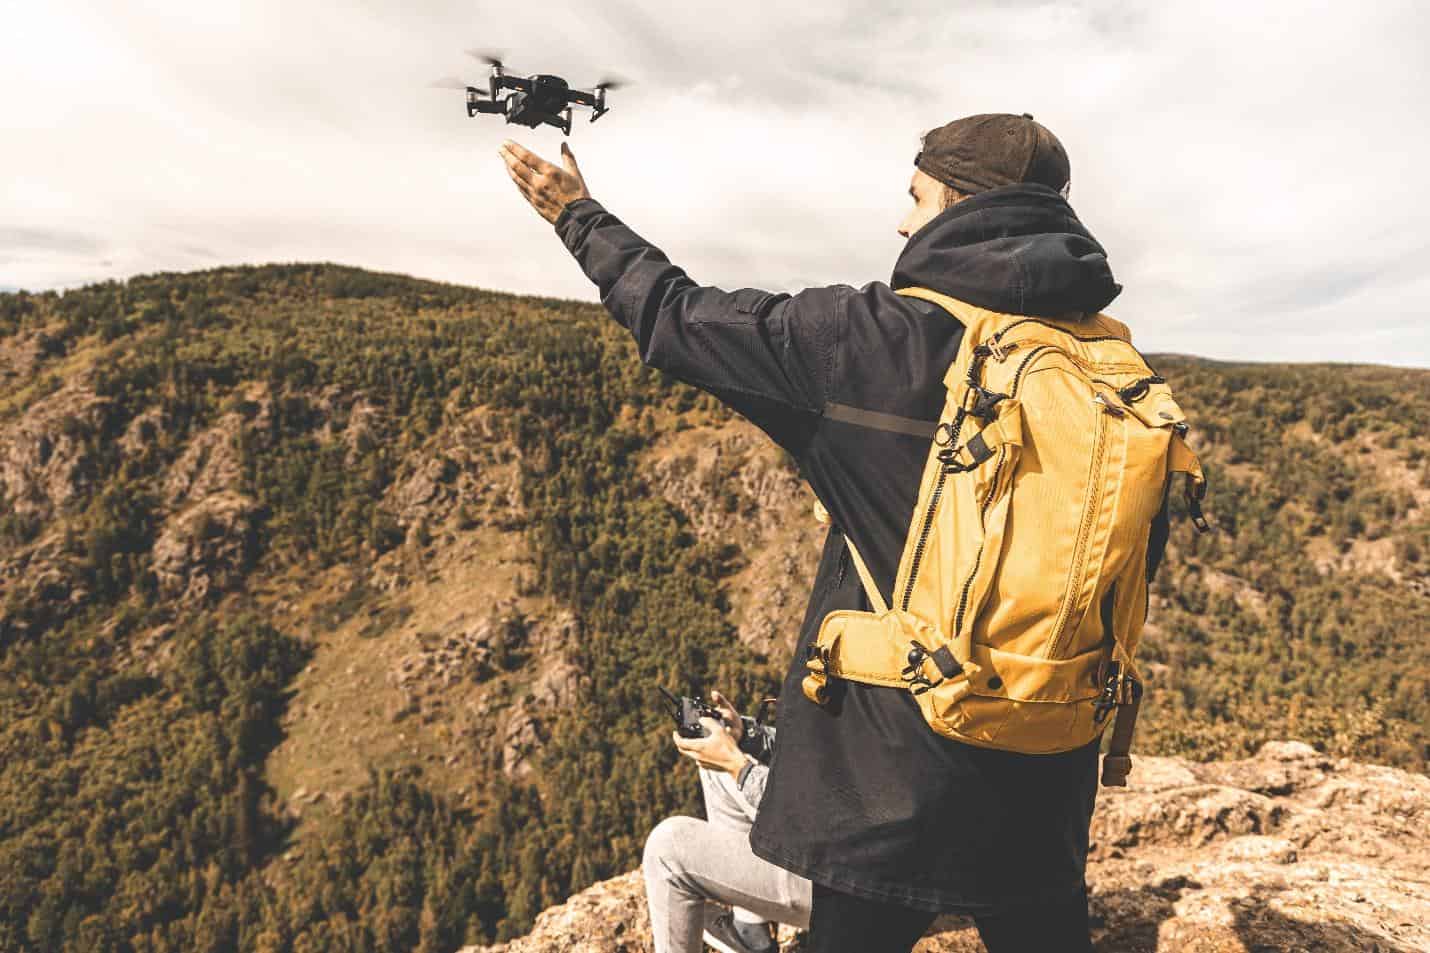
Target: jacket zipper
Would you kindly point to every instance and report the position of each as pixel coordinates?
(1084, 532)
(938, 490)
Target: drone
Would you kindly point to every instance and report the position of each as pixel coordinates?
(536, 99)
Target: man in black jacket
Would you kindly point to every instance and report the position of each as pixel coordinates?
(892, 822)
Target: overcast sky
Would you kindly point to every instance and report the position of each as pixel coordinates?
(1255, 169)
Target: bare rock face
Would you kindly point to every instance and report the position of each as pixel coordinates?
(733, 488)
(467, 463)
(143, 433)
(45, 455)
(206, 540)
(723, 477)
(206, 549)
(522, 737)
(211, 462)
(21, 354)
(1284, 851)
(42, 584)
(555, 686)
(522, 663)
(364, 429)
(48, 465)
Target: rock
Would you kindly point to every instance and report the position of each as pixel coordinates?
(207, 549)
(211, 462)
(728, 482)
(465, 468)
(520, 740)
(1197, 814)
(1258, 847)
(1289, 751)
(45, 457)
(1335, 860)
(609, 917)
(42, 584)
(21, 354)
(366, 422)
(556, 685)
(142, 435)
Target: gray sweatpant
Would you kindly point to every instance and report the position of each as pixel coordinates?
(689, 863)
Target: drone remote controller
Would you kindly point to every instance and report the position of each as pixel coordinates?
(687, 713)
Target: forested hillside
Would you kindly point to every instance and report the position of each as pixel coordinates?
(333, 604)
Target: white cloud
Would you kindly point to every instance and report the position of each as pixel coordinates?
(1250, 168)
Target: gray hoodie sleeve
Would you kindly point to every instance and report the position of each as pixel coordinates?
(759, 743)
(752, 781)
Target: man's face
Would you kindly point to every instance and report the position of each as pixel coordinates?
(927, 195)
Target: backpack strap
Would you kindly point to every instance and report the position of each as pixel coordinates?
(1117, 763)
(876, 598)
(1181, 459)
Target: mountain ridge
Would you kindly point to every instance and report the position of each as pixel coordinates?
(399, 591)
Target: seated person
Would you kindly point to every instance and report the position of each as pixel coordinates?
(689, 862)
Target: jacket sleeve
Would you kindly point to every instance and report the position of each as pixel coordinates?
(769, 356)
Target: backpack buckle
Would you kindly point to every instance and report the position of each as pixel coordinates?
(913, 673)
(984, 400)
(1118, 688)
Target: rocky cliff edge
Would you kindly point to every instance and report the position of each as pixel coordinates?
(1285, 851)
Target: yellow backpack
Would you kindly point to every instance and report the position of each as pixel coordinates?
(1022, 589)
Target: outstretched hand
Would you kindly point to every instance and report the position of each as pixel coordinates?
(549, 188)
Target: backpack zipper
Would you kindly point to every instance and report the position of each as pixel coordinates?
(1084, 534)
(938, 490)
(1101, 337)
(978, 556)
(928, 524)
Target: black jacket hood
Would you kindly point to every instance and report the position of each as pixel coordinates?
(1019, 249)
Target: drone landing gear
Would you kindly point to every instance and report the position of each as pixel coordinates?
(563, 123)
(475, 106)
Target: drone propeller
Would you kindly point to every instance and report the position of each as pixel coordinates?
(452, 82)
(490, 57)
(612, 82)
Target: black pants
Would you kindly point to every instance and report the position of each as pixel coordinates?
(840, 923)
